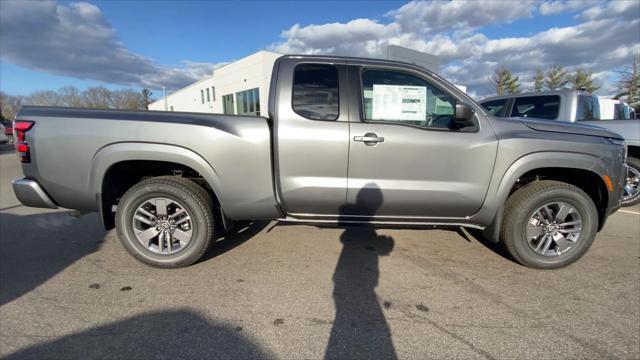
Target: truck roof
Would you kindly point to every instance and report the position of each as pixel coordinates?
(537, 93)
(352, 59)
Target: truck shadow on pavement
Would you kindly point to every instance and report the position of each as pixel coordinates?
(360, 329)
(242, 232)
(34, 248)
(168, 334)
(7, 148)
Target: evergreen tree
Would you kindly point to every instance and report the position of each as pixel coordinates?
(505, 82)
(557, 78)
(146, 97)
(538, 81)
(582, 79)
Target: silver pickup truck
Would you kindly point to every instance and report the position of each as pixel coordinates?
(347, 141)
(577, 107)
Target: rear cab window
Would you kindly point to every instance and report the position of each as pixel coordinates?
(588, 108)
(540, 107)
(496, 107)
(315, 91)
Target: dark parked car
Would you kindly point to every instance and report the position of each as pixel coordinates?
(7, 130)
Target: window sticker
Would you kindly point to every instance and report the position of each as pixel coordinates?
(399, 102)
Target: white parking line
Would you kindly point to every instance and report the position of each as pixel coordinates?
(630, 212)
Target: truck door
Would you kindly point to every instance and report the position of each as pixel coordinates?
(403, 142)
(311, 136)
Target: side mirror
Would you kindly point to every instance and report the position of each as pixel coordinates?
(464, 118)
(464, 113)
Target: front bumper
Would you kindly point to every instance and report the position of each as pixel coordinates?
(30, 193)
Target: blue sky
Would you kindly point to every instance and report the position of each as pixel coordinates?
(148, 43)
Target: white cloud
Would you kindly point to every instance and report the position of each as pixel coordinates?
(76, 40)
(607, 37)
(627, 9)
(559, 6)
(429, 17)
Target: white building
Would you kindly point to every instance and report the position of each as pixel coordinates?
(399, 53)
(242, 87)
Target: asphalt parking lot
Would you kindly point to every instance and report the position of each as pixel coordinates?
(69, 290)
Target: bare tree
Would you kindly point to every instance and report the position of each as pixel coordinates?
(127, 99)
(629, 83)
(10, 105)
(97, 97)
(70, 96)
(44, 98)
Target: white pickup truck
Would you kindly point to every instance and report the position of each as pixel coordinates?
(577, 107)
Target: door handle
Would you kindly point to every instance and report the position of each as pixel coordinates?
(369, 139)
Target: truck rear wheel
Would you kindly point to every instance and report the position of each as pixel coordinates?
(631, 194)
(166, 221)
(548, 224)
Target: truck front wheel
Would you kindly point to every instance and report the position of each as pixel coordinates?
(166, 221)
(548, 224)
(632, 185)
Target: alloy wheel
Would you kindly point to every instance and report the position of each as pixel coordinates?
(162, 225)
(554, 229)
(632, 185)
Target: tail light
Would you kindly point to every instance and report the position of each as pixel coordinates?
(22, 146)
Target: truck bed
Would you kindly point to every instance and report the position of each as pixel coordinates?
(629, 129)
(72, 149)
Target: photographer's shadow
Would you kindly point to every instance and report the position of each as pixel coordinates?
(360, 329)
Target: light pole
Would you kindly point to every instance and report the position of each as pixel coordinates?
(164, 90)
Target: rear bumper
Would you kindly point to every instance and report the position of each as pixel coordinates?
(30, 193)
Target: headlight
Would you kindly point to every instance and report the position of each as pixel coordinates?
(622, 143)
(616, 141)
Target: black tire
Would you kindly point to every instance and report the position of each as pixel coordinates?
(196, 201)
(521, 206)
(635, 164)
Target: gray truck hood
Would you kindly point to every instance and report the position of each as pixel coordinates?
(568, 128)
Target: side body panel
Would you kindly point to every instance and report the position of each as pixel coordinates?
(311, 155)
(73, 148)
(521, 150)
(421, 172)
(505, 151)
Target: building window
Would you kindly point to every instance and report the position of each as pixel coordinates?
(227, 104)
(213, 93)
(315, 91)
(208, 98)
(202, 95)
(248, 102)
